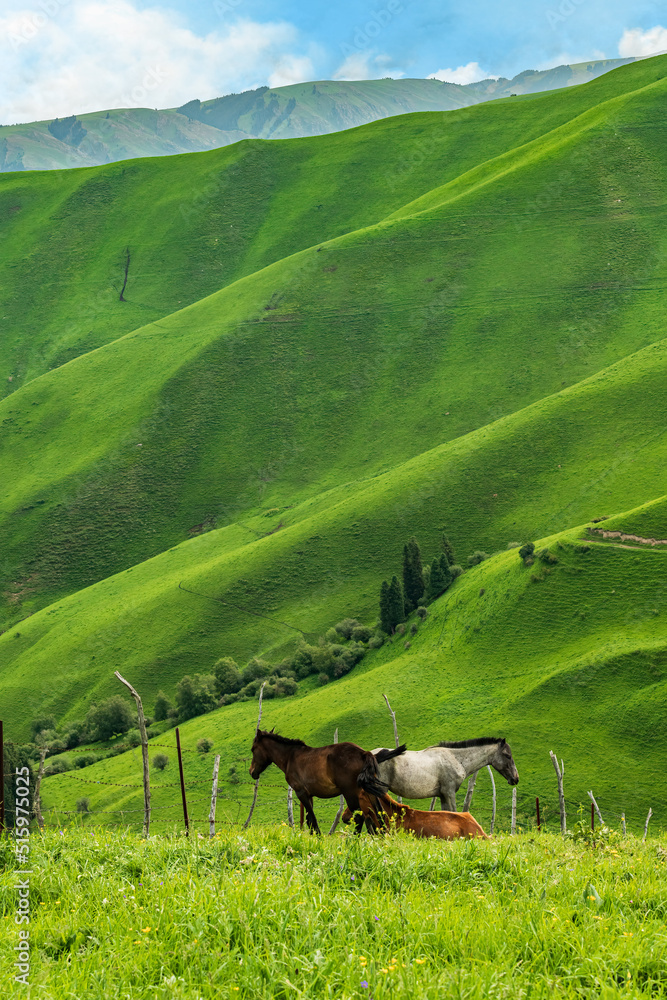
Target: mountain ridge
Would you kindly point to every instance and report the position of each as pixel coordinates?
(296, 110)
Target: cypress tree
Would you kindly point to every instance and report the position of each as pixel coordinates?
(413, 579)
(440, 577)
(396, 603)
(385, 609)
(448, 550)
(445, 569)
(437, 582)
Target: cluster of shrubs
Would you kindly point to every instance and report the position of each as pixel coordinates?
(335, 655)
(332, 657)
(160, 760)
(528, 555)
(106, 719)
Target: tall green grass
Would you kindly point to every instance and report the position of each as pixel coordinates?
(272, 913)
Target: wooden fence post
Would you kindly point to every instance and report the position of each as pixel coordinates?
(38, 784)
(144, 752)
(214, 797)
(650, 813)
(537, 810)
(290, 810)
(399, 798)
(2, 780)
(493, 808)
(513, 826)
(471, 788)
(254, 797)
(560, 771)
(341, 804)
(186, 819)
(596, 807)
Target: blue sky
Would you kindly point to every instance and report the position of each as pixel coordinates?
(424, 35)
(61, 57)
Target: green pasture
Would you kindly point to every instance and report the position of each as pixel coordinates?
(339, 362)
(272, 913)
(197, 222)
(569, 656)
(432, 323)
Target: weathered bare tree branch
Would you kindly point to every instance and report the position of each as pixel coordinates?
(254, 797)
(560, 771)
(144, 752)
(471, 788)
(341, 804)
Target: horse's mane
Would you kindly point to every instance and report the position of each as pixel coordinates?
(278, 738)
(481, 741)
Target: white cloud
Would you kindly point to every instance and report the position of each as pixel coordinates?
(72, 56)
(636, 42)
(292, 69)
(470, 73)
(355, 67)
(367, 66)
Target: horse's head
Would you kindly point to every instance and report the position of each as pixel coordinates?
(504, 764)
(261, 758)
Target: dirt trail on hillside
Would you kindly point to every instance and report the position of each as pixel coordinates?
(629, 538)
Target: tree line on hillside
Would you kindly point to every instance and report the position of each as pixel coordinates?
(332, 656)
(420, 585)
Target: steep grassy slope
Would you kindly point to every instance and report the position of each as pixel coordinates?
(196, 223)
(648, 523)
(482, 352)
(570, 657)
(282, 112)
(346, 359)
(562, 460)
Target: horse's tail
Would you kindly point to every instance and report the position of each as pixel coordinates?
(382, 755)
(369, 776)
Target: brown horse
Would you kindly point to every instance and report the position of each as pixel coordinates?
(340, 769)
(421, 822)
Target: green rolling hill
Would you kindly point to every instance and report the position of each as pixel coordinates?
(573, 660)
(298, 110)
(318, 358)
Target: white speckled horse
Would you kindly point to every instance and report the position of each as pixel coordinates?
(441, 770)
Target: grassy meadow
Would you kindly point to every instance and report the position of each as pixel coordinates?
(569, 657)
(278, 439)
(433, 323)
(272, 913)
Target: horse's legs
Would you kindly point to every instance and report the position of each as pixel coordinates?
(448, 799)
(307, 802)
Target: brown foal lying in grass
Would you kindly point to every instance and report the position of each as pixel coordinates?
(386, 812)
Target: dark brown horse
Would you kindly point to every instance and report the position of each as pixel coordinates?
(422, 822)
(323, 772)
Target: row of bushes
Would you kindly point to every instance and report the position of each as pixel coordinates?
(335, 655)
